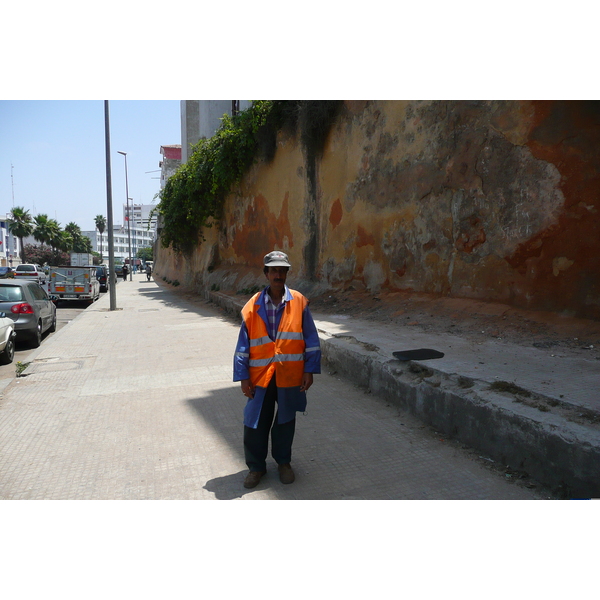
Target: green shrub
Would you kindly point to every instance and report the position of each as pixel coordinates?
(193, 197)
(250, 290)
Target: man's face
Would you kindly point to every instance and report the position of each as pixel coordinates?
(277, 277)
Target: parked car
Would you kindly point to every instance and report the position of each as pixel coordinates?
(7, 339)
(7, 273)
(102, 277)
(119, 270)
(30, 308)
(31, 271)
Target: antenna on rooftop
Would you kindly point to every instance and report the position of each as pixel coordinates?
(12, 183)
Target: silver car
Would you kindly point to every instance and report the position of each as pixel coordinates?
(30, 307)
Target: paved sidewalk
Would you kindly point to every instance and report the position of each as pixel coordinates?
(138, 403)
(536, 410)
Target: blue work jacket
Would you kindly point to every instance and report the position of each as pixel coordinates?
(290, 399)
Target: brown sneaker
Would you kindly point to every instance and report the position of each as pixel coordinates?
(286, 474)
(253, 478)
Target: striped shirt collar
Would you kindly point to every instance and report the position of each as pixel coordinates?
(274, 312)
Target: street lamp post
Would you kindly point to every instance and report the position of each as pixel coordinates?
(109, 214)
(128, 218)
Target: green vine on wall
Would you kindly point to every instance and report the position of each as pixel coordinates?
(193, 197)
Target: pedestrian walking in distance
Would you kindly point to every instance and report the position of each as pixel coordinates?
(277, 353)
(124, 272)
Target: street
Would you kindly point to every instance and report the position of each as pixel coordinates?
(65, 313)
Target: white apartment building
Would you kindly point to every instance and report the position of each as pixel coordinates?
(140, 238)
(141, 216)
(10, 250)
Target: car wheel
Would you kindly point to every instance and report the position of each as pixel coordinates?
(36, 340)
(7, 355)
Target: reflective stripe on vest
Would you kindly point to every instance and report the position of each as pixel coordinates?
(277, 358)
(260, 341)
(285, 355)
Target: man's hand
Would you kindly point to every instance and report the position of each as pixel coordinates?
(307, 381)
(247, 388)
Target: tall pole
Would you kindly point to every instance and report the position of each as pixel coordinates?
(128, 217)
(111, 242)
(129, 211)
(12, 184)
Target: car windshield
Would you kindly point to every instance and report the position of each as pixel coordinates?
(25, 268)
(10, 293)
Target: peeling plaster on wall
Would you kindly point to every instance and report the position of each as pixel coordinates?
(374, 276)
(364, 238)
(499, 193)
(494, 200)
(567, 135)
(336, 213)
(260, 228)
(339, 273)
(561, 264)
(514, 120)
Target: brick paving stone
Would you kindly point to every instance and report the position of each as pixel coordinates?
(138, 403)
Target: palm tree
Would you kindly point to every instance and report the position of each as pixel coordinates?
(42, 229)
(101, 227)
(20, 226)
(63, 242)
(72, 228)
(84, 245)
(81, 243)
(56, 236)
(66, 243)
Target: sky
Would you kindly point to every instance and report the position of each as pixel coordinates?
(53, 155)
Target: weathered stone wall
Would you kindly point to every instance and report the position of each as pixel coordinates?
(491, 200)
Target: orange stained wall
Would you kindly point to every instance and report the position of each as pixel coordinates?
(494, 200)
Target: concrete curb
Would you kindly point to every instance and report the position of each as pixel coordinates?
(562, 455)
(558, 453)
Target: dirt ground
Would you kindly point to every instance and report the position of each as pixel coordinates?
(470, 319)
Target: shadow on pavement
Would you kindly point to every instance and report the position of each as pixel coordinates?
(228, 487)
(177, 300)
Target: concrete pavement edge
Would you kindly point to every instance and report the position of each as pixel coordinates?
(558, 453)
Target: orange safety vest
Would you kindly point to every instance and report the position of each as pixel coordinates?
(285, 355)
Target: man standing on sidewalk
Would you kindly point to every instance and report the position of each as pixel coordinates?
(277, 353)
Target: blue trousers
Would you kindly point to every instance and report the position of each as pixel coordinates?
(256, 441)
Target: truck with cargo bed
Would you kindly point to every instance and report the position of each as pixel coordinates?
(74, 283)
